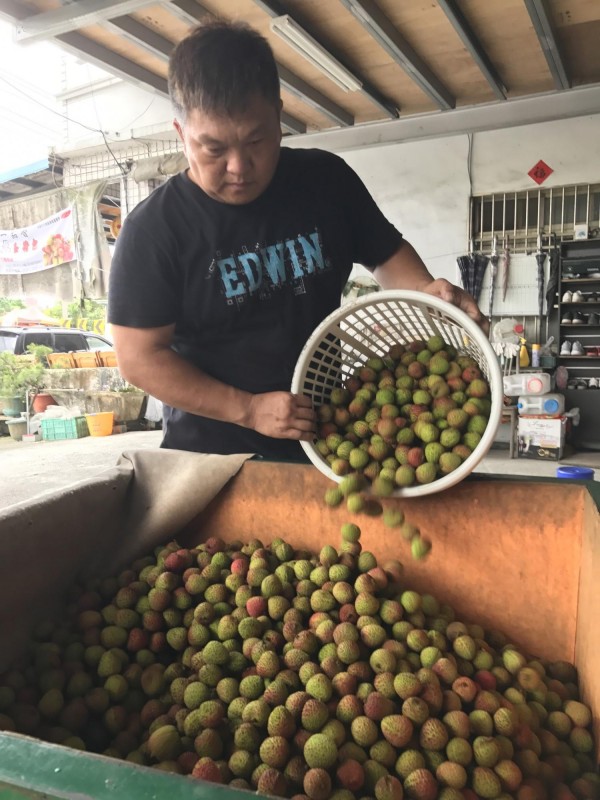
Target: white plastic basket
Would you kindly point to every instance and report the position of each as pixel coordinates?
(369, 327)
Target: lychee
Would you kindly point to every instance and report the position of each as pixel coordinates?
(486, 783)
(421, 785)
(317, 784)
(388, 788)
(364, 731)
(320, 751)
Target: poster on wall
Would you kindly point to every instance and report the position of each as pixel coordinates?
(39, 246)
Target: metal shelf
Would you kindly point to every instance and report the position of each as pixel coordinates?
(580, 280)
(580, 258)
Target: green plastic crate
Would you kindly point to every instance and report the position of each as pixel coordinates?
(74, 428)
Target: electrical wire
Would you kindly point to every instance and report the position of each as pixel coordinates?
(48, 108)
(69, 119)
(115, 159)
(135, 119)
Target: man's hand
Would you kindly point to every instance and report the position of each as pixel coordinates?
(282, 415)
(458, 297)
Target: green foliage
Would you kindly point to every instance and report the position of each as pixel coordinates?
(18, 374)
(8, 303)
(88, 309)
(40, 353)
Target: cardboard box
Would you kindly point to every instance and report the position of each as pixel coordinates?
(541, 437)
(501, 549)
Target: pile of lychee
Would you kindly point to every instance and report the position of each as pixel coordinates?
(410, 417)
(293, 675)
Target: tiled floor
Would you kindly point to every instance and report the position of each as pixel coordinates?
(29, 470)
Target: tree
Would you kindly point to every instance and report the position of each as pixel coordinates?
(86, 309)
(8, 303)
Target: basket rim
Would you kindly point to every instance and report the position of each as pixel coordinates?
(470, 327)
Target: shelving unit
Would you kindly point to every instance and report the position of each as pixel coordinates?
(581, 257)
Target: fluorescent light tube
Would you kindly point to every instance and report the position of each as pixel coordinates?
(304, 44)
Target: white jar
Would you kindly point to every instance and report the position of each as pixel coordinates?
(549, 405)
(525, 383)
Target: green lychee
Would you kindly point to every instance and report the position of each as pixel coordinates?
(320, 751)
(426, 473)
(486, 783)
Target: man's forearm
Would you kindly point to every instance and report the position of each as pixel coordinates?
(172, 379)
(404, 270)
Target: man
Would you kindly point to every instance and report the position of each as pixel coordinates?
(222, 274)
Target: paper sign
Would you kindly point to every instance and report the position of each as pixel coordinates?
(540, 171)
(39, 246)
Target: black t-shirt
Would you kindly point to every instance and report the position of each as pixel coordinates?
(245, 285)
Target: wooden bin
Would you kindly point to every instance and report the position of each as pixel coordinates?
(107, 358)
(514, 556)
(61, 360)
(521, 557)
(87, 358)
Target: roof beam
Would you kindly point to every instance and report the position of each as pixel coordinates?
(291, 124)
(118, 65)
(374, 21)
(47, 24)
(141, 36)
(538, 13)
(469, 119)
(470, 41)
(187, 11)
(29, 183)
(312, 97)
(274, 9)
(12, 11)
(112, 62)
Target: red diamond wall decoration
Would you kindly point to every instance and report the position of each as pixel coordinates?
(540, 171)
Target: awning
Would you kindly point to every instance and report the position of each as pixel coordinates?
(31, 178)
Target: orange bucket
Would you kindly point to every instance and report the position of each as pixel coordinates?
(100, 424)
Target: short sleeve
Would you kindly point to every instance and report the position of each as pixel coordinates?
(144, 281)
(375, 239)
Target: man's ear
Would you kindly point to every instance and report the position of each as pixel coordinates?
(178, 128)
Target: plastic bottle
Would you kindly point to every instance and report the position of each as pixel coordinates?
(523, 355)
(535, 355)
(550, 405)
(526, 383)
(575, 473)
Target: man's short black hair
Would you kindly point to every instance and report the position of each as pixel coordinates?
(218, 67)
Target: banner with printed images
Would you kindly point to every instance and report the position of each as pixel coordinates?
(39, 246)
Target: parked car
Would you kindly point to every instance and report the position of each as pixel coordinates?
(61, 340)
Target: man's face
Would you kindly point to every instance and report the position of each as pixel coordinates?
(233, 158)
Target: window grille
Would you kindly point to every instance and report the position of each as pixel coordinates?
(517, 219)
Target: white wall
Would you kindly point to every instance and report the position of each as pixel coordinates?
(423, 186)
(423, 189)
(95, 98)
(501, 159)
